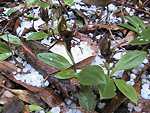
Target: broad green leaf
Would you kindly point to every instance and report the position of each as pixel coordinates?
(134, 24)
(54, 60)
(38, 3)
(132, 21)
(34, 107)
(31, 17)
(31, 2)
(37, 36)
(65, 74)
(127, 26)
(92, 75)
(130, 60)
(139, 21)
(69, 2)
(4, 48)
(127, 90)
(4, 56)
(11, 39)
(143, 38)
(107, 91)
(10, 11)
(87, 99)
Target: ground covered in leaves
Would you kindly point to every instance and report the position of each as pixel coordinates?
(74, 56)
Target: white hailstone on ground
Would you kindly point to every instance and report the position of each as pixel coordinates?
(132, 76)
(137, 109)
(75, 110)
(42, 111)
(30, 76)
(78, 1)
(131, 82)
(145, 93)
(99, 37)
(130, 107)
(98, 61)
(128, 9)
(45, 41)
(76, 6)
(55, 110)
(24, 24)
(101, 105)
(18, 70)
(14, 72)
(38, 23)
(141, 66)
(68, 101)
(112, 8)
(118, 55)
(12, 61)
(145, 86)
(145, 61)
(91, 34)
(135, 71)
(92, 8)
(119, 73)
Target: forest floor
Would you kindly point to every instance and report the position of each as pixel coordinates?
(49, 49)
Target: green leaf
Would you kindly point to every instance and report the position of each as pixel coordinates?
(34, 107)
(130, 60)
(107, 91)
(127, 90)
(37, 36)
(54, 60)
(38, 3)
(132, 21)
(11, 39)
(65, 74)
(4, 48)
(134, 24)
(69, 2)
(87, 99)
(4, 56)
(139, 21)
(31, 17)
(10, 11)
(127, 26)
(92, 75)
(143, 38)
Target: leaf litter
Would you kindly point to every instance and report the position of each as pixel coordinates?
(84, 33)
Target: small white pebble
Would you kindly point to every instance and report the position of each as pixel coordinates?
(137, 109)
(18, 70)
(145, 61)
(55, 110)
(112, 8)
(145, 86)
(135, 71)
(131, 82)
(118, 73)
(19, 59)
(133, 76)
(12, 61)
(46, 83)
(101, 105)
(14, 72)
(118, 55)
(130, 106)
(25, 70)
